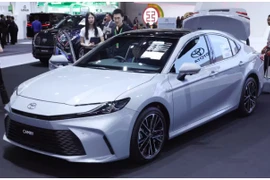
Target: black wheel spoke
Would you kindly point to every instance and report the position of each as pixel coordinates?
(250, 96)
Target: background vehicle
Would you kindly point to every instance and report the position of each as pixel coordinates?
(130, 98)
(44, 42)
(48, 20)
(62, 42)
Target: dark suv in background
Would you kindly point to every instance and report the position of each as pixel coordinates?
(63, 47)
(45, 41)
(48, 20)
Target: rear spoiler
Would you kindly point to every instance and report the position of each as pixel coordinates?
(239, 11)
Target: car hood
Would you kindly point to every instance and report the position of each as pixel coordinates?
(77, 86)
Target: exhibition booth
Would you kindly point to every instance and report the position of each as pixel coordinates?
(21, 10)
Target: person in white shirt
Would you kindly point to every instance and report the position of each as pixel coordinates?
(90, 31)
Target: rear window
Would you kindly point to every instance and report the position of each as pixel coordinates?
(44, 18)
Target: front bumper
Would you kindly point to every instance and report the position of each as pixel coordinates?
(93, 139)
(40, 52)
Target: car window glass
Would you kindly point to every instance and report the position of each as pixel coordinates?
(233, 47)
(196, 51)
(131, 53)
(221, 47)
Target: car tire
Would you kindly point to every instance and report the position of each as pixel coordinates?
(81, 52)
(249, 96)
(156, 135)
(44, 61)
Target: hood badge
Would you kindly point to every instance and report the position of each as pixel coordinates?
(32, 106)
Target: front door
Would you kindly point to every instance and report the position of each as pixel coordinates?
(193, 98)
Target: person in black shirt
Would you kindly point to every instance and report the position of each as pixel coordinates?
(8, 35)
(118, 17)
(13, 31)
(3, 30)
(120, 27)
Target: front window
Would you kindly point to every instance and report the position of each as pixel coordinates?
(130, 53)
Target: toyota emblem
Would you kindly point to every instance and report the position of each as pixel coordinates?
(44, 40)
(32, 106)
(197, 53)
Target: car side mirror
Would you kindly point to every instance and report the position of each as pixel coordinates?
(188, 69)
(57, 61)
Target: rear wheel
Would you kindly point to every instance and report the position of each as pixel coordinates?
(249, 97)
(148, 136)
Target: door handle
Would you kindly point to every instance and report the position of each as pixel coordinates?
(213, 73)
(241, 63)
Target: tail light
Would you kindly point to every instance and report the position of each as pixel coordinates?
(243, 14)
(45, 25)
(29, 24)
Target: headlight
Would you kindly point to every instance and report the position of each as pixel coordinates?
(18, 89)
(107, 108)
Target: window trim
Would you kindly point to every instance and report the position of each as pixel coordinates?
(237, 46)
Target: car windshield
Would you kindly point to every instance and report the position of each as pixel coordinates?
(70, 22)
(142, 54)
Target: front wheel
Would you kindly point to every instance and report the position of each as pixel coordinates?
(148, 136)
(249, 97)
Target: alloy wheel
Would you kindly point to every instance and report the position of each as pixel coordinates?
(250, 96)
(151, 136)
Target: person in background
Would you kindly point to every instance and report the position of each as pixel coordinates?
(36, 25)
(127, 21)
(8, 38)
(118, 17)
(108, 26)
(154, 26)
(178, 22)
(89, 31)
(13, 31)
(266, 51)
(3, 30)
(136, 22)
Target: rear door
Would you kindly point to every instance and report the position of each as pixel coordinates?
(230, 72)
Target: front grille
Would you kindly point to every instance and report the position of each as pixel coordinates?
(44, 39)
(61, 142)
(48, 118)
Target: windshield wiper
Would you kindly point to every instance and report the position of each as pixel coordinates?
(102, 68)
(142, 71)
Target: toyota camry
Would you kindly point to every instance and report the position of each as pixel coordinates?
(132, 93)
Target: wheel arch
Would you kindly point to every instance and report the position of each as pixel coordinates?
(163, 109)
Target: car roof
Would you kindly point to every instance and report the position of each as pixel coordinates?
(170, 33)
